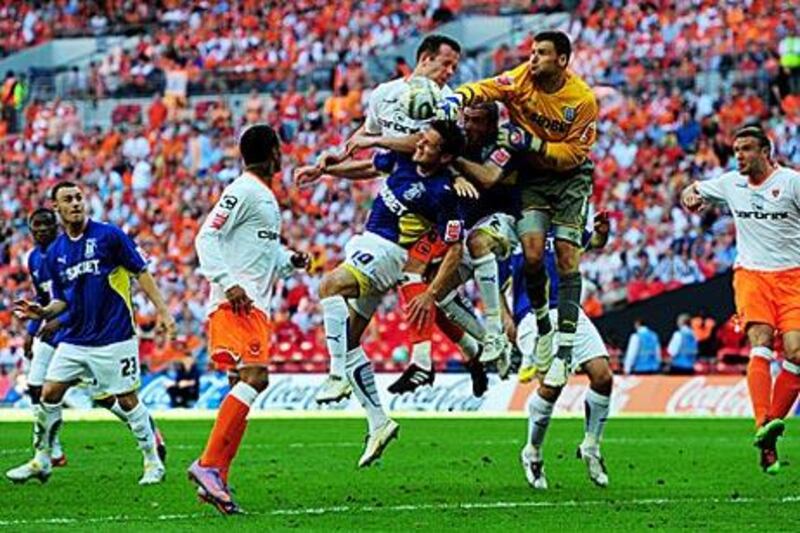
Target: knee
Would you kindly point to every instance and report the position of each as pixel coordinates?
(602, 382)
(791, 350)
(53, 393)
(549, 393)
(128, 402)
(760, 335)
(328, 286)
(568, 258)
(479, 244)
(534, 255)
(35, 392)
(256, 377)
(106, 402)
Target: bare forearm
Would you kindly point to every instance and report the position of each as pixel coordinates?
(450, 263)
(405, 144)
(484, 175)
(53, 309)
(353, 170)
(148, 285)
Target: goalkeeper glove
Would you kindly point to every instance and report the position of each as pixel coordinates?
(518, 140)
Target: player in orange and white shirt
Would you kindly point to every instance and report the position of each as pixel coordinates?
(764, 199)
(241, 255)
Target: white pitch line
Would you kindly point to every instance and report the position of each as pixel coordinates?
(467, 506)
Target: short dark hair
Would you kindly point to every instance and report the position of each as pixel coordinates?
(432, 43)
(257, 144)
(42, 211)
(61, 185)
(754, 132)
(491, 108)
(452, 138)
(559, 39)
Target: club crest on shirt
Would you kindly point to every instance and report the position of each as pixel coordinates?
(415, 191)
(91, 246)
(569, 114)
(776, 193)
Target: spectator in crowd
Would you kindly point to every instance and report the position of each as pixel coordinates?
(184, 387)
(643, 354)
(703, 328)
(682, 347)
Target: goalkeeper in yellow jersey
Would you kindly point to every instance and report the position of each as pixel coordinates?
(553, 126)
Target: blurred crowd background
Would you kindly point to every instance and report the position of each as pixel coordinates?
(674, 79)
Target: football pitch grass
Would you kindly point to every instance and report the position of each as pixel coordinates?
(442, 474)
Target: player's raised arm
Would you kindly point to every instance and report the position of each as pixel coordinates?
(496, 89)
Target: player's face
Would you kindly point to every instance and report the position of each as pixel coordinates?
(43, 228)
(544, 59)
(70, 205)
(428, 154)
(477, 125)
(750, 156)
(441, 66)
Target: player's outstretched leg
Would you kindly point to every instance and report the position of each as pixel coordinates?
(336, 386)
(471, 350)
(596, 404)
(139, 421)
(48, 421)
(40, 361)
(382, 429)
(211, 470)
(759, 385)
(335, 287)
(420, 371)
(540, 409)
(537, 284)
(110, 402)
(784, 395)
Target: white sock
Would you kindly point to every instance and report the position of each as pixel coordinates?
(469, 346)
(118, 411)
(48, 418)
(244, 392)
(335, 314)
(139, 423)
(487, 278)
(458, 310)
(596, 415)
(362, 378)
(421, 355)
(539, 413)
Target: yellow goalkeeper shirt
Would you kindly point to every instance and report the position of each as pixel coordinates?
(565, 119)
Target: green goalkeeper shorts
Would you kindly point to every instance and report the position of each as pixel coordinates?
(557, 199)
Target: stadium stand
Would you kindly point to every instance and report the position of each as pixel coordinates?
(160, 166)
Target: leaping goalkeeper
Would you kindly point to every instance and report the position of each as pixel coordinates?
(554, 124)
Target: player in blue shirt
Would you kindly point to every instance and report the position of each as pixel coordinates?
(43, 226)
(90, 266)
(416, 198)
(589, 354)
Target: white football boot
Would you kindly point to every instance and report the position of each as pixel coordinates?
(534, 470)
(333, 389)
(33, 469)
(377, 442)
(154, 473)
(595, 466)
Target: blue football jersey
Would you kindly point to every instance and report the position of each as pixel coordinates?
(410, 205)
(43, 286)
(92, 274)
(504, 196)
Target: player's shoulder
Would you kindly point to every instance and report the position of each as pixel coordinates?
(786, 173)
(96, 229)
(580, 88)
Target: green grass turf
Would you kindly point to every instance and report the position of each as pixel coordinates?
(441, 474)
